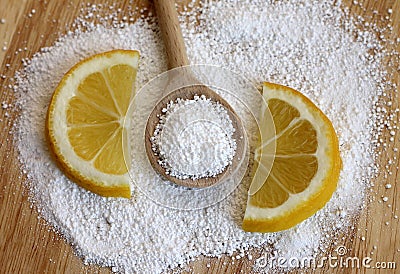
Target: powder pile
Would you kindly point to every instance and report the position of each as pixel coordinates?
(308, 45)
(194, 138)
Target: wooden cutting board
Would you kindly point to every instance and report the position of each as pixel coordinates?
(27, 245)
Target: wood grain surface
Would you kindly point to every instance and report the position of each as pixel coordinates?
(27, 245)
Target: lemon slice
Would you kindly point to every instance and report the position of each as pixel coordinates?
(305, 169)
(85, 122)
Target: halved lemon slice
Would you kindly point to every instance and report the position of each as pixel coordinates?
(85, 124)
(305, 168)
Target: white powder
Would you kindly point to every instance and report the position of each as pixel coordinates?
(194, 138)
(309, 45)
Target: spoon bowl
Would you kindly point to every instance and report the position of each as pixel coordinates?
(189, 93)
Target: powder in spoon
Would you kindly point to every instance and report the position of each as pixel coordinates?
(194, 138)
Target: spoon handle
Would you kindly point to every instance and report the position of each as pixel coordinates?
(171, 33)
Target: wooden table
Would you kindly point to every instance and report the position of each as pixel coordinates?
(27, 245)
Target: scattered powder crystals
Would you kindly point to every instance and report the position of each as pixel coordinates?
(194, 138)
(312, 46)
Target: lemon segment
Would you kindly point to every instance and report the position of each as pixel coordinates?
(306, 164)
(85, 122)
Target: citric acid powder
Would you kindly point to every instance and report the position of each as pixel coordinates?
(194, 138)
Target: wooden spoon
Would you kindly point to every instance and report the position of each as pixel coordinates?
(176, 55)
